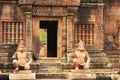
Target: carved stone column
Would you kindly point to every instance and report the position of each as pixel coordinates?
(64, 38)
(100, 27)
(71, 11)
(26, 6)
(119, 38)
(69, 32)
(29, 31)
(69, 38)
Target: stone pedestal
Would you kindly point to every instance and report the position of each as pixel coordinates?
(115, 76)
(22, 76)
(82, 76)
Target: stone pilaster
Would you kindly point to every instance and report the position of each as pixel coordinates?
(100, 27)
(64, 38)
(29, 31)
(70, 14)
(69, 38)
(69, 32)
(119, 38)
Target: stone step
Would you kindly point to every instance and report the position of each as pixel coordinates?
(115, 60)
(70, 66)
(114, 57)
(38, 76)
(60, 76)
(50, 67)
(97, 54)
(116, 65)
(49, 60)
(49, 70)
(113, 52)
(51, 79)
(99, 59)
(35, 67)
(52, 76)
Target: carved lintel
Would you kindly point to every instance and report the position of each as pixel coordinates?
(75, 2)
(26, 1)
(53, 11)
(72, 10)
(27, 8)
(49, 11)
(26, 5)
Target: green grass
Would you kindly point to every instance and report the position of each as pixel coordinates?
(43, 35)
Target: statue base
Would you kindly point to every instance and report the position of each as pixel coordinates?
(22, 76)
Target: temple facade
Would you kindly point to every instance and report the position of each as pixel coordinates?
(28, 20)
(52, 28)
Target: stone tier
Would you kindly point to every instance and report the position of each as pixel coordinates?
(36, 66)
(6, 52)
(48, 66)
(114, 57)
(63, 76)
(99, 59)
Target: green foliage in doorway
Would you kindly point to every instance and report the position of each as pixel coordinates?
(43, 35)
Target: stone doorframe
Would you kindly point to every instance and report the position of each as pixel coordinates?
(36, 23)
(52, 8)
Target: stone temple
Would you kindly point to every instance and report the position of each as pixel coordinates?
(51, 30)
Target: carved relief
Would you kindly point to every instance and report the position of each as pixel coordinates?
(29, 31)
(60, 11)
(49, 2)
(26, 1)
(48, 7)
(49, 11)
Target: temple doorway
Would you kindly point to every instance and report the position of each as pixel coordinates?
(48, 38)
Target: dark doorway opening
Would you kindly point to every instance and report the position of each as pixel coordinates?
(51, 28)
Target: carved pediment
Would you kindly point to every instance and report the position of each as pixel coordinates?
(49, 7)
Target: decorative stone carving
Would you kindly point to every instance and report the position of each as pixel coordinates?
(49, 11)
(49, 8)
(29, 31)
(26, 1)
(51, 2)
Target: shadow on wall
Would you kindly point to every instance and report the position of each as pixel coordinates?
(35, 47)
(84, 14)
(110, 43)
(1, 6)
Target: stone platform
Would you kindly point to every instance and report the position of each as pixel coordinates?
(13, 76)
(65, 75)
(22, 72)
